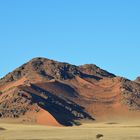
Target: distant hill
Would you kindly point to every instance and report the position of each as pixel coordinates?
(48, 92)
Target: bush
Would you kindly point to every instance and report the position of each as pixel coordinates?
(99, 136)
(76, 123)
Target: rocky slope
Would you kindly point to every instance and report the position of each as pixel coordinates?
(53, 93)
(137, 80)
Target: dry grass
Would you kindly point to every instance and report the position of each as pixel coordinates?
(111, 131)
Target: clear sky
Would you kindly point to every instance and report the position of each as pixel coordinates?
(103, 32)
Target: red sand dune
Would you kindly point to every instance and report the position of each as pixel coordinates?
(45, 118)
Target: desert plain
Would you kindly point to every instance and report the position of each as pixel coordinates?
(119, 130)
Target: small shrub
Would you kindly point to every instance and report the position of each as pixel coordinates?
(77, 123)
(0, 92)
(99, 136)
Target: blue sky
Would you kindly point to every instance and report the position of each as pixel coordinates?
(103, 32)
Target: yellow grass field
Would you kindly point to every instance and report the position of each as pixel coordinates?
(111, 131)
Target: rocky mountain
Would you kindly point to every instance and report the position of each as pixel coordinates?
(54, 93)
(137, 80)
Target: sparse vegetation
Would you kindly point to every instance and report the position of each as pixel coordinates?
(99, 136)
(77, 123)
(2, 129)
(111, 123)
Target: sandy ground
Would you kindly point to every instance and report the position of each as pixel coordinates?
(110, 130)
